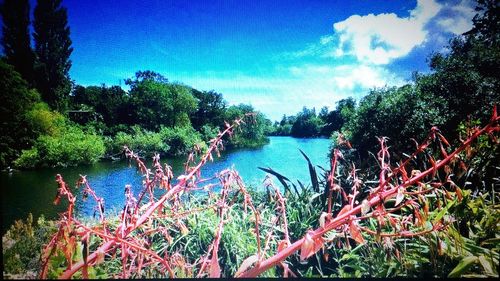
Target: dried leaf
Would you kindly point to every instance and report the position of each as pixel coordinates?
(246, 264)
(434, 168)
(214, 267)
(322, 219)
(400, 196)
(344, 210)
(310, 246)
(355, 233)
(458, 191)
(100, 257)
(307, 247)
(487, 263)
(365, 207)
(282, 245)
(443, 139)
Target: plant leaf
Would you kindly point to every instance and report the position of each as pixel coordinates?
(246, 264)
(307, 247)
(443, 211)
(279, 176)
(310, 246)
(462, 266)
(399, 197)
(355, 233)
(214, 268)
(486, 265)
(312, 173)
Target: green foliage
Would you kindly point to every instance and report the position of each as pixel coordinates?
(157, 102)
(15, 101)
(253, 132)
(139, 140)
(44, 121)
(181, 140)
(168, 141)
(110, 104)
(380, 114)
(16, 41)
(208, 132)
(210, 109)
(307, 124)
(71, 147)
(22, 246)
(53, 50)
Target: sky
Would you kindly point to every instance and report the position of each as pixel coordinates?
(276, 55)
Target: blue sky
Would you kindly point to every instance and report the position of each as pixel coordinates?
(276, 55)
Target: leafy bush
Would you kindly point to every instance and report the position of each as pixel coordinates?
(139, 140)
(168, 141)
(44, 121)
(181, 139)
(22, 246)
(71, 147)
(253, 134)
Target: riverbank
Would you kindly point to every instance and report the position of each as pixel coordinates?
(33, 191)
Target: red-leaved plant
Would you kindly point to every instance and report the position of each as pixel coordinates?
(396, 188)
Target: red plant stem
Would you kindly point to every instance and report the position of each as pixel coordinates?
(103, 248)
(402, 233)
(331, 179)
(283, 213)
(179, 186)
(218, 233)
(378, 199)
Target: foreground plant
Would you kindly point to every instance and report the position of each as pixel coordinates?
(404, 202)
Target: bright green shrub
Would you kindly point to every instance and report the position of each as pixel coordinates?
(42, 120)
(181, 139)
(140, 141)
(72, 147)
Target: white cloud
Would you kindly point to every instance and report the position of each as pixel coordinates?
(457, 19)
(378, 39)
(297, 86)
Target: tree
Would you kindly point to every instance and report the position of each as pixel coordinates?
(110, 103)
(15, 101)
(307, 124)
(211, 108)
(253, 132)
(466, 80)
(53, 50)
(156, 102)
(16, 40)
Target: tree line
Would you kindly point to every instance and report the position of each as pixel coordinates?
(48, 120)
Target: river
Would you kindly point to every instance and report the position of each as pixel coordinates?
(25, 192)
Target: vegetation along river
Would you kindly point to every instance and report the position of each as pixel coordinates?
(33, 191)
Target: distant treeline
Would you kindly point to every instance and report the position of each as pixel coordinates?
(48, 120)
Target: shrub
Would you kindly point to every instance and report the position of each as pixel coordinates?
(181, 139)
(140, 140)
(44, 121)
(22, 246)
(71, 147)
(168, 141)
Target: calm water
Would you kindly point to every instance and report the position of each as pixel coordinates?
(33, 191)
